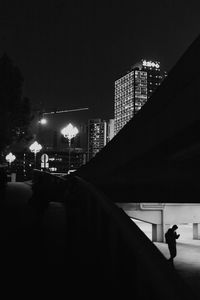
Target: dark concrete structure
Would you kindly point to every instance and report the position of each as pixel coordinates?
(65, 237)
(155, 157)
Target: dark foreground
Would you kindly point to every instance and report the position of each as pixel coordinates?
(72, 241)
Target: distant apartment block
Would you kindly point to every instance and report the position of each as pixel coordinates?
(100, 132)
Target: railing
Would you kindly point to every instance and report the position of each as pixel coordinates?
(117, 255)
(46, 188)
(105, 250)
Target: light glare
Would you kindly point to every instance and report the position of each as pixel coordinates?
(69, 131)
(43, 121)
(35, 147)
(10, 157)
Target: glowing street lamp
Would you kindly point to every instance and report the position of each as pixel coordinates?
(69, 132)
(10, 158)
(42, 121)
(35, 148)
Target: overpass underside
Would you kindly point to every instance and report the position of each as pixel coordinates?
(164, 215)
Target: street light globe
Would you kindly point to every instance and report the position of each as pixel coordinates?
(35, 147)
(69, 131)
(43, 121)
(10, 157)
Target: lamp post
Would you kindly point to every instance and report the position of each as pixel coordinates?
(10, 158)
(69, 132)
(35, 148)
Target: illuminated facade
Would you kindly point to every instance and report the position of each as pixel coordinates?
(133, 89)
(100, 132)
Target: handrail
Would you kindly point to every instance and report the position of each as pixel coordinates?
(105, 249)
(105, 240)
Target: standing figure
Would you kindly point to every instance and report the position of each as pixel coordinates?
(171, 236)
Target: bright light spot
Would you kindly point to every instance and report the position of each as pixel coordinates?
(35, 147)
(43, 121)
(53, 169)
(10, 157)
(71, 171)
(151, 64)
(69, 131)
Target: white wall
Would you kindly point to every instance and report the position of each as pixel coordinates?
(174, 213)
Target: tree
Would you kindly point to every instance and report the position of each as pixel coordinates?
(15, 110)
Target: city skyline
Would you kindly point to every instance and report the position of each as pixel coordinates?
(71, 54)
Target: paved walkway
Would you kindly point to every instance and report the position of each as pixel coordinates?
(18, 190)
(187, 261)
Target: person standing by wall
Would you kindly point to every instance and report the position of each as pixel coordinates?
(171, 236)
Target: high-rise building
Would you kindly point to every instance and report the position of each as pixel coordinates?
(133, 90)
(100, 132)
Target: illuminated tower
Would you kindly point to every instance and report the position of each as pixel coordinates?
(96, 136)
(133, 90)
(100, 132)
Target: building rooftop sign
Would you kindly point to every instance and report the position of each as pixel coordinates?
(150, 64)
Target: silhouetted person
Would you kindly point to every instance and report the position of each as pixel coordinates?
(171, 236)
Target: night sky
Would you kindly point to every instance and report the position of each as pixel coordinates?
(71, 52)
